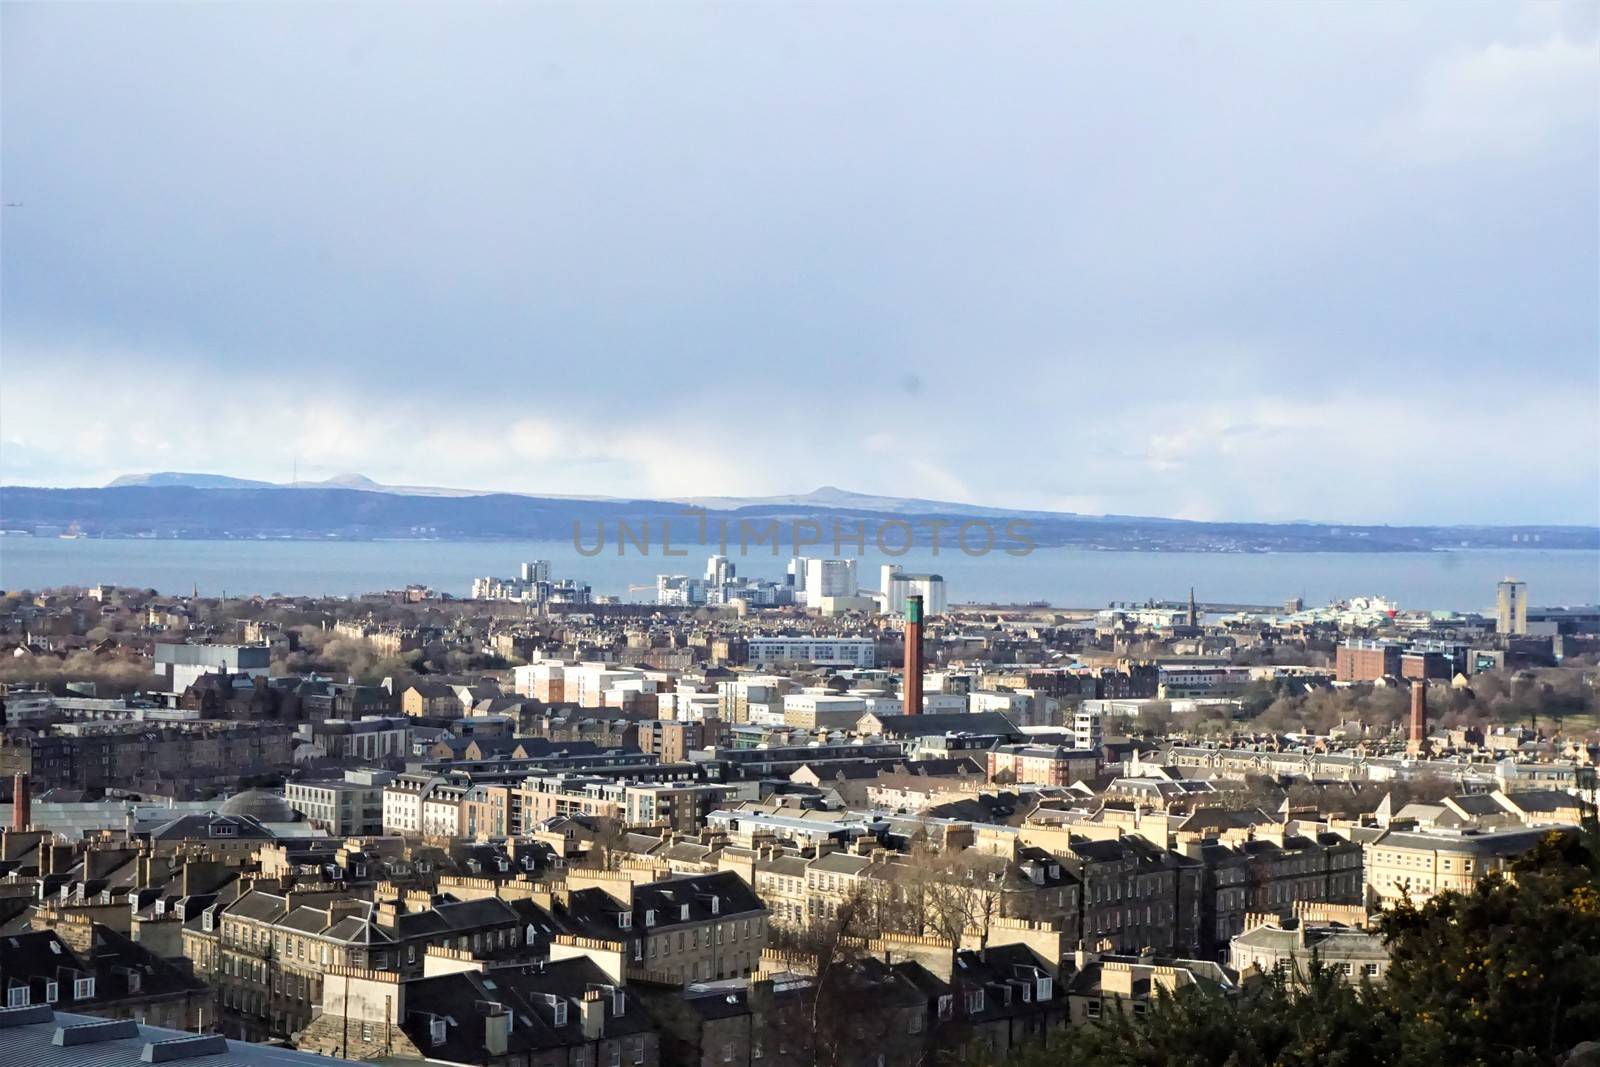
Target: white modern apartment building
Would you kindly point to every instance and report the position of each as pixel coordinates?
(587, 684)
(827, 651)
(351, 807)
(735, 696)
(828, 578)
(679, 590)
(1088, 733)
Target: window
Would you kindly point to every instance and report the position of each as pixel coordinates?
(946, 1006)
(975, 1001)
(1140, 1008)
(916, 1023)
(52, 992)
(1370, 970)
(619, 1003)
(560, 1008)
(17, 996)
(727, 1052)
(436, 1031)
(1092, 1009)
(1045, 988)
(82, 988)
(624, 920)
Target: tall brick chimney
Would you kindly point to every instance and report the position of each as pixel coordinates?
(21, 803)
(1419, 714)
(912, 687)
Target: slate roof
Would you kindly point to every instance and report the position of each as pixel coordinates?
(462, 999)
(593, 912)
(29, 1035)
(41, 956)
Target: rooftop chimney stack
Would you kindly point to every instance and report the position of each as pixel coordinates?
(1419, 715)
(913, 682)
(21, 804)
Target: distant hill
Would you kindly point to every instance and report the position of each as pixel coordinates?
(351, 506)
(338, 481)
(190, 481)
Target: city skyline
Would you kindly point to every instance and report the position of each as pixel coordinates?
(1249, 264)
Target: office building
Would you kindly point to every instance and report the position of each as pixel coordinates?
(829, 578)
(824, 651)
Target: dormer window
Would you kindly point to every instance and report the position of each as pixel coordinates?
(619, 1003)
(683, 912)
(17, 996)
(946, 1006)
(208, 920)
(624, 920)
(650, 916)
(716, 905)
(82, 988)
(558, 1005)
(52, 992)
(437, 1031)
(975, 1001)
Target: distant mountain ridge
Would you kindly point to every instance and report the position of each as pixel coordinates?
(827, 496)
(181, 479)
(182, 505)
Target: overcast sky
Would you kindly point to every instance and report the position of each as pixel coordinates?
(1244, 261)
